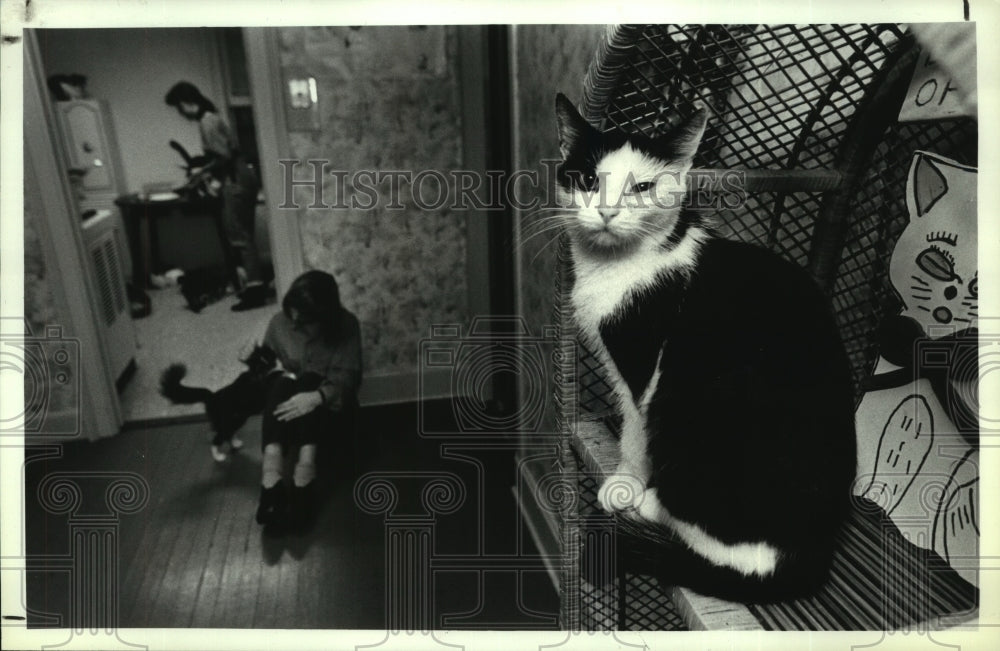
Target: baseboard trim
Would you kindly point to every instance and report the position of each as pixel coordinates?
(394, 388)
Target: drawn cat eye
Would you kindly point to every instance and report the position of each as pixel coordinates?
(974, 287)
(937, 264)
(640, 187)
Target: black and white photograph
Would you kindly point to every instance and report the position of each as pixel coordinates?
(344, 325)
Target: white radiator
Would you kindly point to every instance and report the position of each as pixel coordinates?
(103, 238)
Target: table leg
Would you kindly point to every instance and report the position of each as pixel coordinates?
(141, 268)
(155, 265)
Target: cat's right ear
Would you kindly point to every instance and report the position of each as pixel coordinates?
(572, 126)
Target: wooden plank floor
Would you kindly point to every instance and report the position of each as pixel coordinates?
(194, 557)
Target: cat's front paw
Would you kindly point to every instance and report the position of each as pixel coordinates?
(622, 490)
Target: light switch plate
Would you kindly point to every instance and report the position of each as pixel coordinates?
(302, 98)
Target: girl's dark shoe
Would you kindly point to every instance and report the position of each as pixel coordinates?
(252, 297)
(273, 502)
(301, 507)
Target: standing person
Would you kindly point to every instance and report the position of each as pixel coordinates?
(239, 184)
(318, 343)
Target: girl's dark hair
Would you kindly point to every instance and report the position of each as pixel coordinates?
(315, 296)
(185, 91)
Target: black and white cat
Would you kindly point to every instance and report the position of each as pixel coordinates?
(231, 406)
(738, 442)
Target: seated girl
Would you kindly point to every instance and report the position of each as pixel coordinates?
(318, 343)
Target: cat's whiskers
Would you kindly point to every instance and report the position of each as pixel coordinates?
(530, 224)
(559, 225)
(543, 247)
(522, 247)
(542, 209)
(550, 209)
(626, 234)
(539, 214)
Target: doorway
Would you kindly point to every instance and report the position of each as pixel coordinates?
(124, 75)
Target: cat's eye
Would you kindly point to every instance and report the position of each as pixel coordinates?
(974, 287)
(586, 181)
(640, 187)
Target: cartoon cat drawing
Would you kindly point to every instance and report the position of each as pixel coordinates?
(917, 425)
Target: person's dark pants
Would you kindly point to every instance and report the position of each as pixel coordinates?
(332, 432)
(316, 426)
(239, 213)
(319, 430)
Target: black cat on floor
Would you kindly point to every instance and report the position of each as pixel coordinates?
(257, 294)
(229, 407)
(204, 286)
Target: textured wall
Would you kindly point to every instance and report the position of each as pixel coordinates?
(389, 100)
(41, 311)
(549, 59)
(39, 304)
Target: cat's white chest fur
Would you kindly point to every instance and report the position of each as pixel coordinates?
(603, 286)
(602, 289)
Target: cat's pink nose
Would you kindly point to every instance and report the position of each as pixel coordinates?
(607, 214)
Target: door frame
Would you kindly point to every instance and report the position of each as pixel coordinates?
(263, 59)
(65, 256)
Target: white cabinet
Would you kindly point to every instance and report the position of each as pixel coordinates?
(89, 140)
(91, 144)
(102, 238)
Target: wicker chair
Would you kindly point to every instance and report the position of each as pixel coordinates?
(810, 113)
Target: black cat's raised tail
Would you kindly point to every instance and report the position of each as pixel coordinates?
(179, 148)
(172, 389)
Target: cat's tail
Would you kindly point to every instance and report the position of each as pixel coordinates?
(649, 548)
(179, 148)
(172, 389)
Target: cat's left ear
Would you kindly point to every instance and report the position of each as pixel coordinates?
(927, 183)
(686, 137)
(572, 126)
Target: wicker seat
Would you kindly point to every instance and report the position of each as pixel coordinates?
(810, 113)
